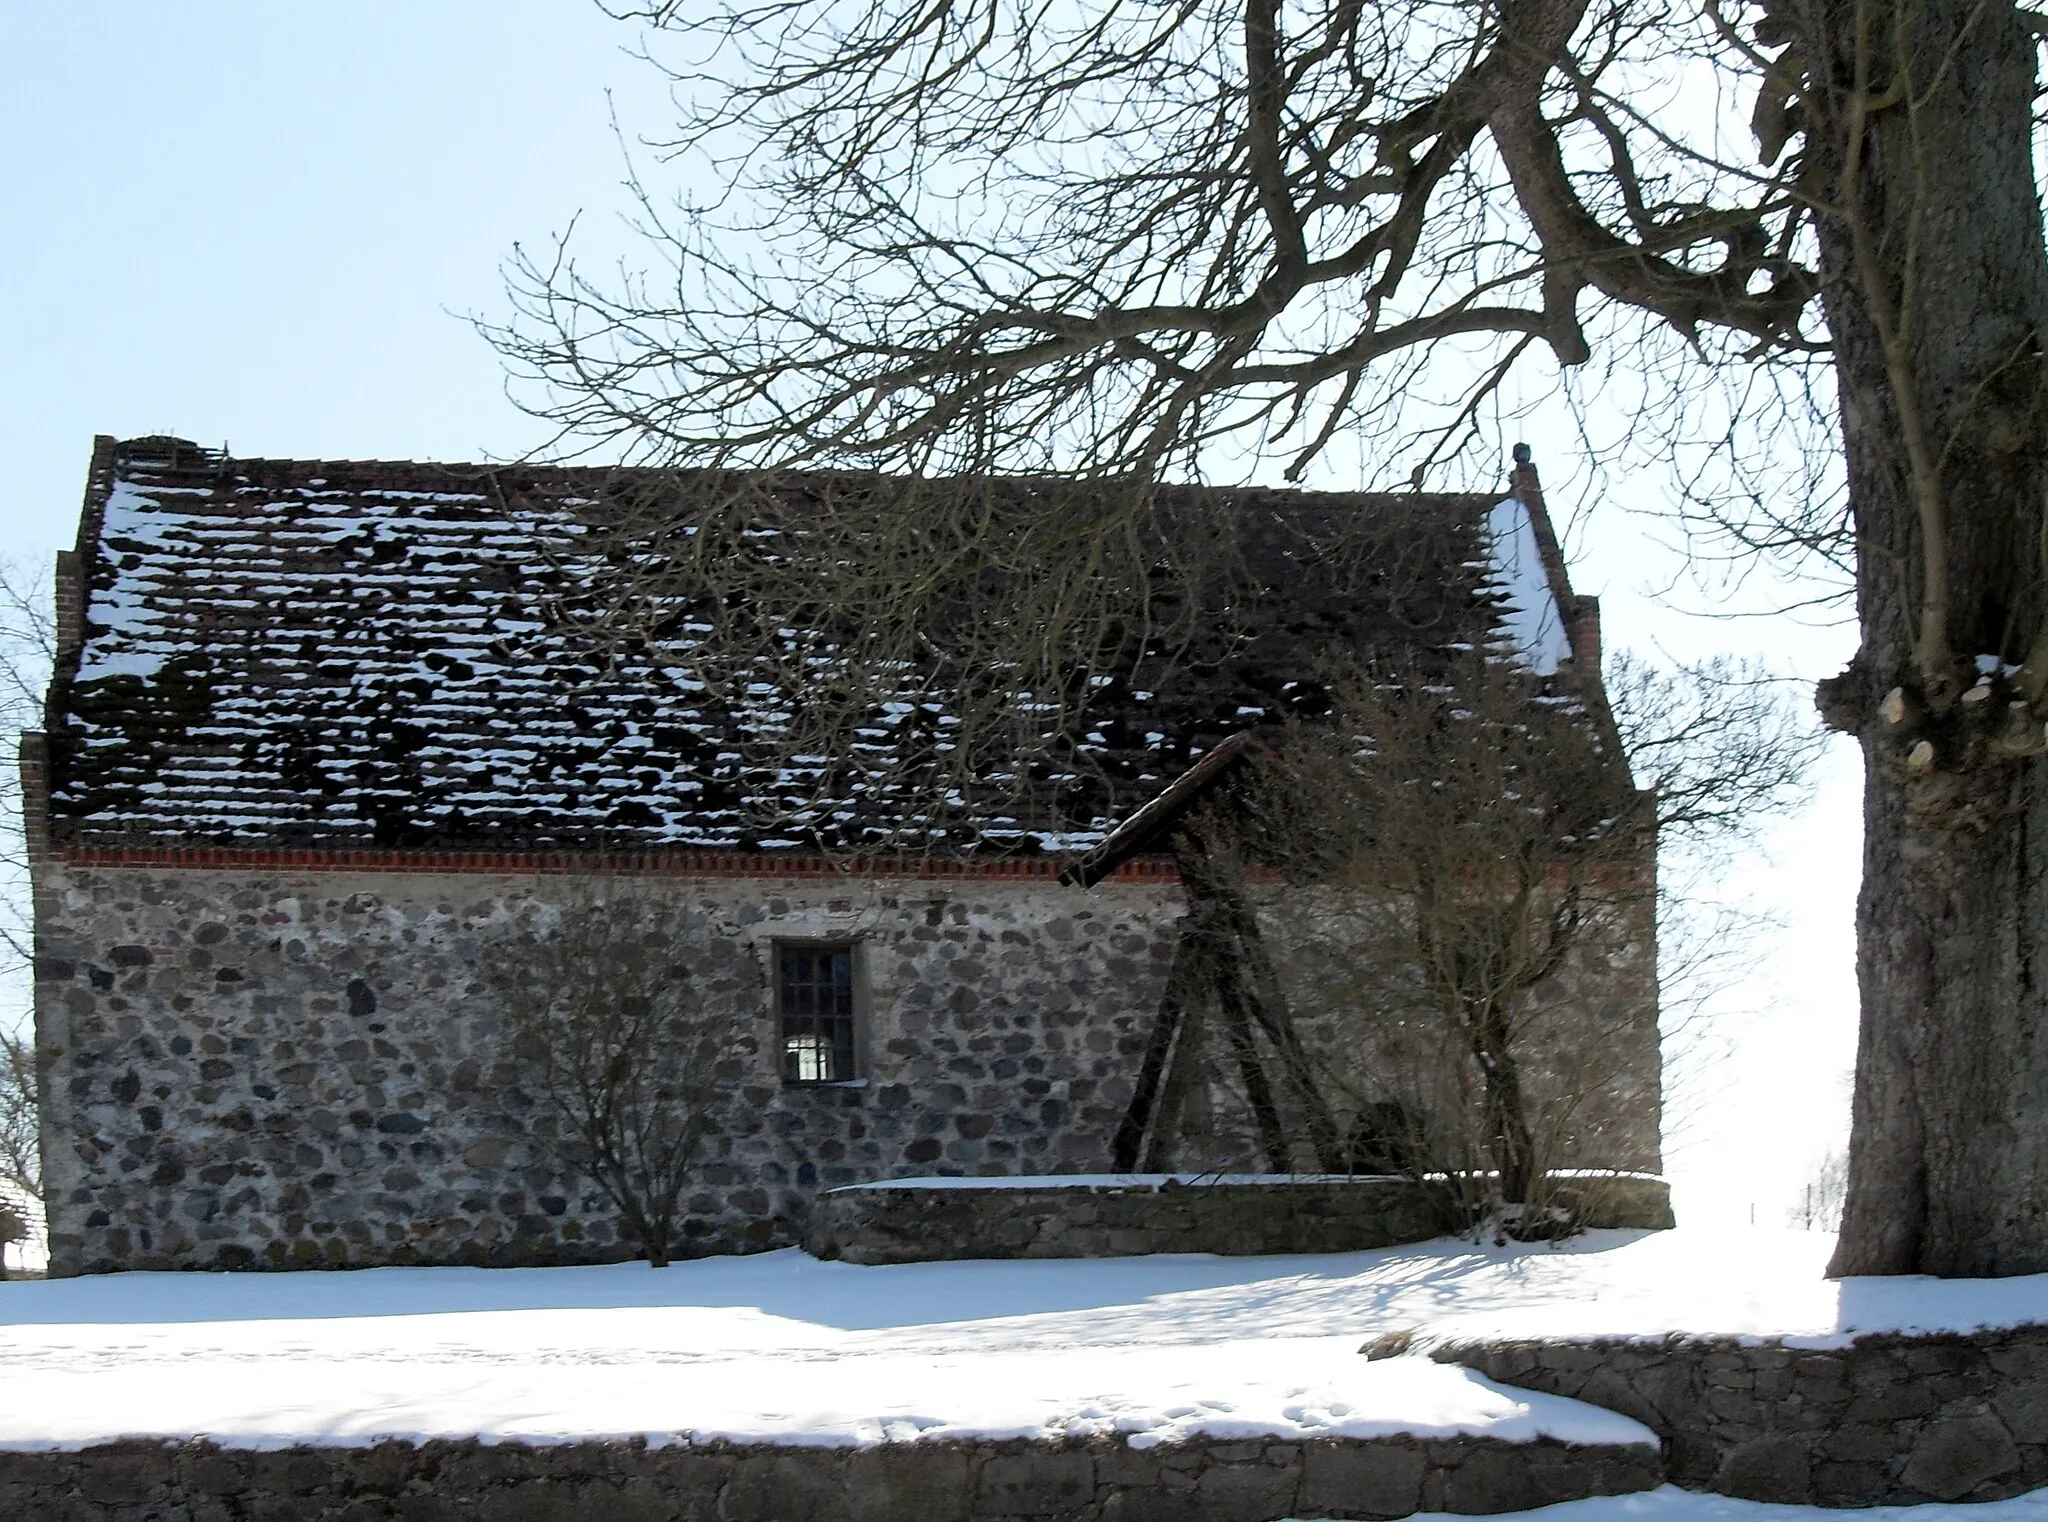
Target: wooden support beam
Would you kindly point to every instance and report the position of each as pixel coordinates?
(1183, 978)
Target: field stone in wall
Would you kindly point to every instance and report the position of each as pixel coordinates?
(1097, 1480)
(909, 1222)
(277, 1071)
(1886, 1419)
(305, 1069)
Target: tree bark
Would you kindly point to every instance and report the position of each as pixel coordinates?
(1936, 292)
(1503, 1116)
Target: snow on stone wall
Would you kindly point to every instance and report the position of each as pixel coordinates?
(1884, 1419)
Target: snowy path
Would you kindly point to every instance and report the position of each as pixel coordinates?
(783, 1348)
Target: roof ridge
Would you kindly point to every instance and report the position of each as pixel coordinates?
(223, 462)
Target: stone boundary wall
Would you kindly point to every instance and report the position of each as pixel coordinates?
(1890, 1419)
(1096, 1481)
(875, 1223)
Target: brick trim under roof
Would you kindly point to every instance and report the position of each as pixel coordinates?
(683, 863)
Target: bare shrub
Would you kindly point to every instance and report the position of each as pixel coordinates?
(1819, 1206)
(1477, 834)
(21, 1162)
(1421, 868)
(598, 1001)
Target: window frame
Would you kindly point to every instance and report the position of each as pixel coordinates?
(857, 1008)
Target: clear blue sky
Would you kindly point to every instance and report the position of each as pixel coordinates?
(260, 222)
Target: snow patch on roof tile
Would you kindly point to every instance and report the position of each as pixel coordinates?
(1531, 620)
(352, 657)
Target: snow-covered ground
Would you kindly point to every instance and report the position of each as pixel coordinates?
(783, 1348)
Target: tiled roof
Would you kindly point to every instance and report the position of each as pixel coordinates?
(360, 654)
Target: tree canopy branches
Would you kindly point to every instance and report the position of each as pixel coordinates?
(960, 236)
(1151, 238)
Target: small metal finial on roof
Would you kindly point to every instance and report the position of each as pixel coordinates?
(1522, 455)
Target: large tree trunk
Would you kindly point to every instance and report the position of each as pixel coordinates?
(1938, 306)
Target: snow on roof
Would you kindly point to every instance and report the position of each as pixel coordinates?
(292, 652)
(1532, 622)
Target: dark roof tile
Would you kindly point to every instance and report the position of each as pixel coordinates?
(351, 653)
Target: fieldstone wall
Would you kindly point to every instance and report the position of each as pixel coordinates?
(1888, 1420)
(1100, 1481)
(1586, 1042)
(306, 1068)
(876, 1223)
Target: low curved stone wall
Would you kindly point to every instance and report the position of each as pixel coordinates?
(915, 1221)
(905, 1482)
(1887, 1419)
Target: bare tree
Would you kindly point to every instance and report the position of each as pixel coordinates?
(598, 1002)
(21, 1160)
(1384, 904)
(27, 645)
(1727, 749)
(1819, 1206)
(21, 1166)
(1496, 839)
(1137, 239)
(27, 641)
(1721, 743)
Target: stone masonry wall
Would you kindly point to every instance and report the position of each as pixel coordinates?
(1100, 1481)
(906, 1224)
(1586, 1037)
(1890, 1419)
(256, 1069)
(259, 1071)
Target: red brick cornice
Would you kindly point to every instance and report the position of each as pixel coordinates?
(665, 863)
